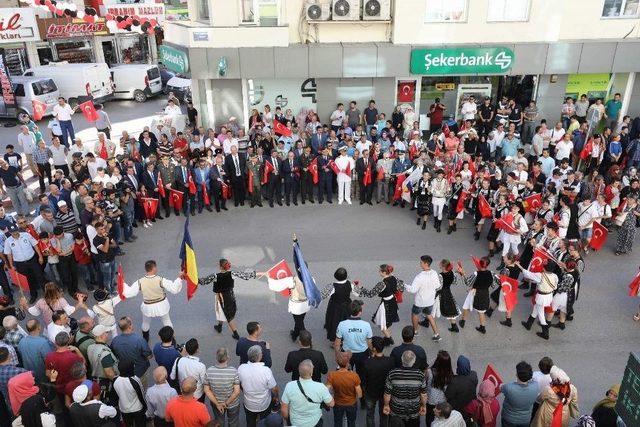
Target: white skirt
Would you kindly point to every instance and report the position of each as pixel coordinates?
(220, 317)
(436, 313)
(502, 306)
(468, 301)
(381, 317)
(560, 302)
(298, 307)
(157, 309)
(544, 300)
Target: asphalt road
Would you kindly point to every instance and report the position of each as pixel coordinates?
(593, 349)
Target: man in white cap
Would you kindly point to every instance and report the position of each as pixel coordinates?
(345, 164)
(89, 413)
(104, 364)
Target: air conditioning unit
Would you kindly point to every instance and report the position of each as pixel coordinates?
(345, 10)
(317, 11)
(376, 10)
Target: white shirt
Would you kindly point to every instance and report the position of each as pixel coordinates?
(543, 380)
(361, 146)
(228, 143)
(556, 135)
(75, 149)
(128, 400)
(586, 214)
(53, 330)
(190, 366)
(93, 166)
(91, 233)
(58, 154)
(21, 249)
(63, 112)
(172, 110)
(337, 118)
(54, 125)
(425, 285)
(563, 149)
(468, 110)
(342, 162)
(27, 142)
(256, 381)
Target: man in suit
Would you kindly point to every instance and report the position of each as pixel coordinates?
(274, 191)
(325, 176)
(235, 166)
(217, 177)
(150, 182)
(306, 179)
(363, 166)
(182, 173)
(166, 172)
(318, 140)
(291, 172)
(400, 165)
(201, 177)
(303, 353)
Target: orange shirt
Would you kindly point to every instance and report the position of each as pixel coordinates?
(187, 412)
(344, 385)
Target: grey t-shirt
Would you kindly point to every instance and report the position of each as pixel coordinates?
(518, 402)
(353, 117)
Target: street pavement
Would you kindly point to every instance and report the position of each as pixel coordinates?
(593, 349)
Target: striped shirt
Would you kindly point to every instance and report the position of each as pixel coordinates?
(67, 221)
(221, 381)
(405, 385)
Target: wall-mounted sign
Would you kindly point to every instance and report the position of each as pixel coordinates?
(200, 36)
(629, 394)
(445, 86)
(18, 25)
(144, 10)
(461, 61)
(174, 59)
(60, 28)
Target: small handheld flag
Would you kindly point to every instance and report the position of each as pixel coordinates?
(18, 279)
(89, 111)
(492, 375)
(39, 109)
(509, 289)
(121, 282)
(280, 277)
(313, 168)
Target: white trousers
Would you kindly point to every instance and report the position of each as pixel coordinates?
(344, 191)
(146, 322)
(538, 311)
(509, 245)
(438, 207)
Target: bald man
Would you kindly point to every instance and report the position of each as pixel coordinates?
(83, 337)
(295, 403)
(158, 396)
(185, 410)
(34, 348)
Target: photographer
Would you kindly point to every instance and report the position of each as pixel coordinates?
(128, 208)
(112, 214)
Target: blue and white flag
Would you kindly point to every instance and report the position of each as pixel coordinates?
(310, 288)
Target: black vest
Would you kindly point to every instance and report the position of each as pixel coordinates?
(224, 282)
(87, 415)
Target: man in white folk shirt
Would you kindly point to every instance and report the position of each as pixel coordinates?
(172, 109)
(345, 164)
(63, 113)
(154, 296)
(425, 285)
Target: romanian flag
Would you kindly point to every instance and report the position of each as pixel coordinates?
(189, 263)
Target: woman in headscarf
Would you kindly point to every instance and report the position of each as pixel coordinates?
(484, 409)
(338, 306)
(604, 413)
(559, 401)
(462, 387)
(21, 387)
(27, 401)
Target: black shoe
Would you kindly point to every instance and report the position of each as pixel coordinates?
(424, 224)
(145, 335)
(129, 240)
(559, 325)
(481, 329)
(311, 201)
(218, 328)
(506, 322)
(251, 205)
(529, 323)
(241, 203)
(295, 203)
(361, 203)
(395, 204)
(319, 202)
(455, 227)
(193, 213)
(438, 227)
(545, 332)
(436, 337)
(279, 203)
(199, 211)
(476, 235)
(286, 204)
(489, 312)
(330, 202)
(449, 230)
(121, 253)
(454, 328)
(235, 335)
(160, 217)
(418, 221)
(461, 323)
(303, 202)
(270, 205)
(209, 209)
(370, 204)
(260, 204)
(224, 208)
(293, 335)
(569, 318)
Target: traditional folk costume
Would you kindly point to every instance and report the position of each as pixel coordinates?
(104, 310)
(154, 298)
(387, 312)
(423, 201)
(478, 296)
(298, 307)
(547, 283)
(456, 192)
(499, 212)
(225, 299)
(478, 218)
(510, 241)
(338, 306)
(439, 189)
(448, 306)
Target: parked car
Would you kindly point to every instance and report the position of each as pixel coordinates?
(29, 89)
(180, 86)
(136, 81)
(78, 82)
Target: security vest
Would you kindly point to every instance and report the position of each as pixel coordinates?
(152, 290)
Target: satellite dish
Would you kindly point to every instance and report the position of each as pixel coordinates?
(372, 8)
(341, 8)
(314, 12)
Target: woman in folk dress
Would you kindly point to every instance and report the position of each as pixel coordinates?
(423, 199)
(448, 306)
(478, 296)
(387, 313)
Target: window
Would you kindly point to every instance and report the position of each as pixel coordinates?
(508, 10)
(203, 10)
(43, 87)
(446, 11)
(260, 12)
(620, 8)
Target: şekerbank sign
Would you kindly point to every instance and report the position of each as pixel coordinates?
(484, 60)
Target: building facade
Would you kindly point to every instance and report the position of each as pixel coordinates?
(296, 54)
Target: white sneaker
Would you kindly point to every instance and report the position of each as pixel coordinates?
(145, 225)
(349, 201)
(339, 202)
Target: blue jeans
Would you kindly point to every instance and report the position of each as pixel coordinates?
(108, 270)
(67, 131)
(127, 224)
(340, 411)
(88, 275)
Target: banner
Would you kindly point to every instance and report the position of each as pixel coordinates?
(8, 96)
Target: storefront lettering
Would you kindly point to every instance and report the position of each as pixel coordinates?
(18, 24)
(13, 23)
(494, 60)
(174, 59)
(135, 10)
(75, 29)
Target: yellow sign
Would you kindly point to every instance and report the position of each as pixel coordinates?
(445, 86)
(592, 85)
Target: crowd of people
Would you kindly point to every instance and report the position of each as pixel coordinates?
(545, 196)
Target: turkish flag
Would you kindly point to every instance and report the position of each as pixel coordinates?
(175, 198)
(120, 282)
(103, 151)
(472, 167)
(32, 231)
(205, 195)
(540, 259)
(161, 189)
(464, 195)
(280, 278)
(281, 129)
(313, 168)
(334, 167)
(380, 176)
(413, 151)
(268, 168)
(437, 153)
(406, 91)
(505, 223)
(367, 179)
(89, 111)
(599, 236)
(492, 375)
(533, 202)
(509, 288)
(634, 286)
(192, 185)
(226, 191)
(484, 207)
(347, 170)
(39, 109)
(397, 193)
(587, 149)
(150, 207)
(476, 262)
(19, 279)
(250, 181)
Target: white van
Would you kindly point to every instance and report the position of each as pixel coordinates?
(136, 81)
(29, 89)
(78, 82)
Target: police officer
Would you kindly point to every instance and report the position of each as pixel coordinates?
(23, 254)
(355, 335)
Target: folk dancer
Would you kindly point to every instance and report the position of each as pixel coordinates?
(439, 190)
(478, 296)
(454, 197)
(425, 285)
(448, 307)
(423, 199)
(547, 283)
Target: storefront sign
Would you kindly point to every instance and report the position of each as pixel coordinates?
(8, 97)
(628, 403)
(149, 11)
(18, 25)
(593, 85)
(445, 86)
(174, 59)
(458, 61)
(200, 36)
(54, 28)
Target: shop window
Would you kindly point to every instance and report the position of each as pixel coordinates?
(45, 55)
(203, 10)
(16, 60)
(620, 8)
(109, 51)
(260, 12)
(446, 11)
(74, 51)
(508, 10)
(133, 49)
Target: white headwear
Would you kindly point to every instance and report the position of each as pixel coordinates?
(80, 393)
(559, 375)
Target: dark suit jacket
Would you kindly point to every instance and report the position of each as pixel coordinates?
(127, 179)
(230, 166)
(295, 357)
(322, 163)
(277, 165)
(180, 182)
(149, 183)
(360, 167)
(214, 175)
(288, 171)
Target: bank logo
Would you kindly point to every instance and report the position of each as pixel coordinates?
(281, 101)
(308, 89)
(503, 60)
